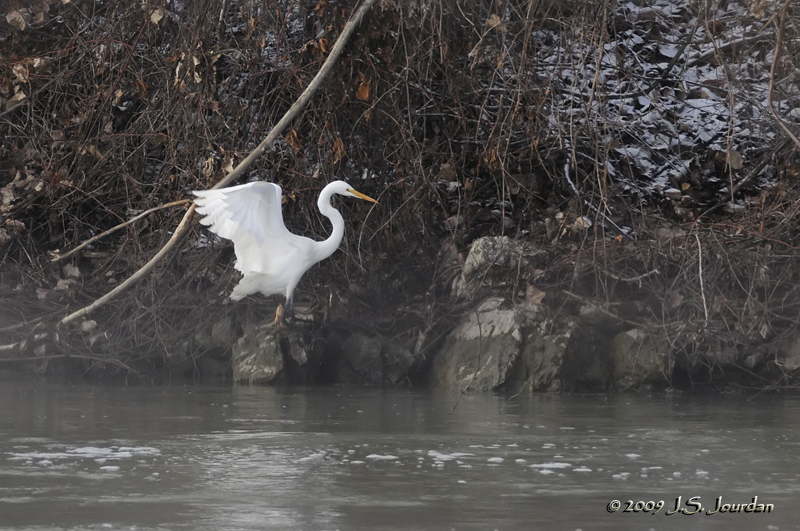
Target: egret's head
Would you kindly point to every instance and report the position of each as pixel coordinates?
(342, 188)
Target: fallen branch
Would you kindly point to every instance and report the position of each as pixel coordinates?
(115, 229)
(290, 115)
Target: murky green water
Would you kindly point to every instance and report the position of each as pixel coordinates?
(221, 458)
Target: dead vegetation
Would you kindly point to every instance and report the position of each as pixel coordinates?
(636, 141)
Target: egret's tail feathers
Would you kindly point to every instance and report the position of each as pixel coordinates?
(256, 283)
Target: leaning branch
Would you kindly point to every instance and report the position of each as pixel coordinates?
(60, 257)
(291, 114)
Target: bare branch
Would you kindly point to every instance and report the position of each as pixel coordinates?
(778, 40)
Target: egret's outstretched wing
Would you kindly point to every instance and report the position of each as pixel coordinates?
(250, 216)
(253, 207)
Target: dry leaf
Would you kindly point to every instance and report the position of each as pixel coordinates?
(293, 140)
(685, 186)
(41, 64)
(338, 150)
(157, 15)
(363, 89)
(493, 20)
(735, 160)
(15, 100)
(447, 172)
(92, 150)
(178, 71)
(21, 71)
(534, 295)
(227, 165)
(88, 326)
(208, 167)
(16, 19)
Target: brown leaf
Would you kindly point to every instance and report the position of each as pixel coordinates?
(363, 89)
(293, 140)
(227, 165)
(208, 167)
(339, 150)
(494, 22)
(92, 150)
(21, 71)
(321, 8)
(157, 15)
(447, 172)
(41, 64)
(15, 100)
(16, 19)
(534, 295)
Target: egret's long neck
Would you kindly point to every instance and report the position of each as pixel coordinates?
(327, 247)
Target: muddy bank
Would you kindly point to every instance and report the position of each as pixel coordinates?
(573, 196)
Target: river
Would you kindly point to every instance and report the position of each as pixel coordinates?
(335, 458)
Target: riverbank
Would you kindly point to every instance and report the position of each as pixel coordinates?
(609, 208)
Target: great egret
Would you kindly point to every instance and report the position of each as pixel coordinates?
(271, 258)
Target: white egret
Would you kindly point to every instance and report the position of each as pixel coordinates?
(271, 258)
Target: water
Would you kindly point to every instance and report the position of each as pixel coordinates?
(222, 458)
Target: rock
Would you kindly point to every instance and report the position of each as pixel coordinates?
(541, 360)
(221, 334)
(789, 352)
(480, 352)
(586, 366)
(257, 355)
(397, 361)
(495, 260)
(372, 361)
(640, 360)
(361, 361)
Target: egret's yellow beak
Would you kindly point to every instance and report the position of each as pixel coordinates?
(361, 196)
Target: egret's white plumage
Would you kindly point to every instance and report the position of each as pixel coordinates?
(271, 258)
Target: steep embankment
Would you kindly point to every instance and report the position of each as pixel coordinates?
(638, 155)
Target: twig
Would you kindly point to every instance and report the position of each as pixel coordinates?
(295, 109)
(700, 273)
(115, 229)
(777, 54)
(10, 347)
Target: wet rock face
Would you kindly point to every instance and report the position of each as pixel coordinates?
(257, 355)
(361, 361)
(639, 360)
(480, 353)
(499, 346)
(373, 361)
